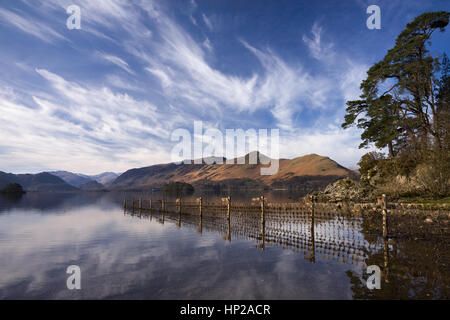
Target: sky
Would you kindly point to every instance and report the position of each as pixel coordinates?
(108, 96)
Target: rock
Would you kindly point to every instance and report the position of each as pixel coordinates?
(428, 220)
(345, 189)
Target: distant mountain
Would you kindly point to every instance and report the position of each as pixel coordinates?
(36, 182)
(78, 179)
(309, 169)
(105, 177)
(306, 172)
(91, 186)
(74, 179)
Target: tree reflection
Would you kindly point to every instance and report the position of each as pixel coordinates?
(411, 269)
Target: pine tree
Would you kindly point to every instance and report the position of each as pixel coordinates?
(400, 104)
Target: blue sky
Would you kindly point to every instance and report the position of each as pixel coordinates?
(108, 96)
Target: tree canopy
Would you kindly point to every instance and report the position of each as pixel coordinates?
(13, 188)
(404, 102)
(178, 189)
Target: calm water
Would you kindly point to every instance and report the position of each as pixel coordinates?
(142, 256)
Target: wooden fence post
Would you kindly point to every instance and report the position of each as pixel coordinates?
(228, 203)
(140, 204)
(313, 204)
(151, 204)
(163, 205)
(125, 203)
(384, 212)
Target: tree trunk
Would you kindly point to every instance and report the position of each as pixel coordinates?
(391, 150)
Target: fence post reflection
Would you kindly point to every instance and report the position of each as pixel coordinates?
(200, 206)
(286, 224)
(384, 212)
(311, 230)
(200, 226)
(386, 260)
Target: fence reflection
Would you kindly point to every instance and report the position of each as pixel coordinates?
(409, 242)
(346, 233)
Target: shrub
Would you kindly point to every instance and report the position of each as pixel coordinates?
(12, 188)
(406, 163)
(369, 161)
(434, 173)
(178, 189)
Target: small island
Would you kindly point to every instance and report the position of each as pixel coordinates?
(12, 188)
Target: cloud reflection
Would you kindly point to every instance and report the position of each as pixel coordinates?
(124, 257)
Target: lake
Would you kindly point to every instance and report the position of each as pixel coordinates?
(150, 255)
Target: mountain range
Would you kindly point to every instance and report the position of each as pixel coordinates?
(78, 179)
(43, 181)
(310, 171)
(56, 181)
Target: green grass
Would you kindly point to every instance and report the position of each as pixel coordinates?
(425, 200)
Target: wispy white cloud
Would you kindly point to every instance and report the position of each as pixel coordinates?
(122, 83)
(191, 10)
(117, 61)
(193, 20)
(352, 78)
(94, 124)
(281, 88)
(161, 75)
(326, 140)
(207, 45)
(113, 15)
(207, 22)
(317, 48)
(82, 127)
(287, 89)
(30, 26)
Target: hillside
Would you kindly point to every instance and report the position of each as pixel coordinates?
(105, 177)
(91, 186)
(71, 178)
(36, 182)
(305, 169)
(77, 179)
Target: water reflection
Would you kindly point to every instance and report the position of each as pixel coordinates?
(412, 268)
(155, 255)
(327, 239)
(10, 198)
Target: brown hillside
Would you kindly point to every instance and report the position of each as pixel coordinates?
(290, 169)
